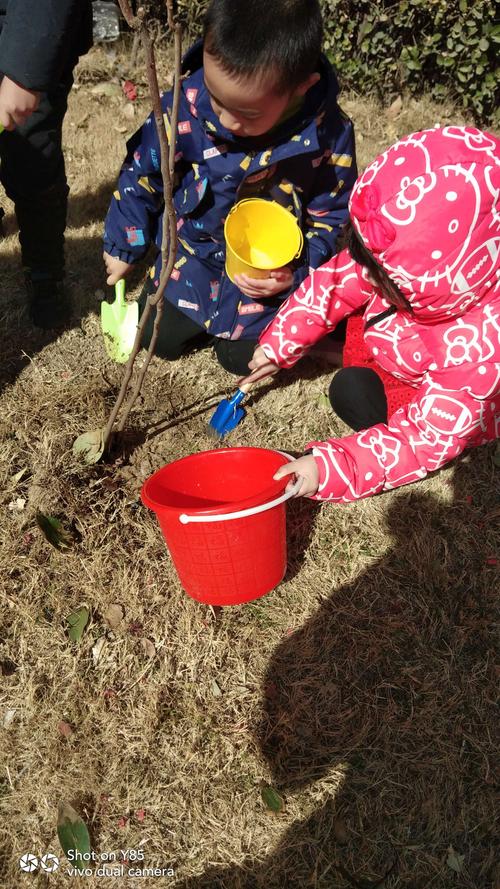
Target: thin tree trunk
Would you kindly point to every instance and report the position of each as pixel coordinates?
(138, 23)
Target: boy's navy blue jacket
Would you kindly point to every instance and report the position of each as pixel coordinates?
(40, 40)
(307, 164)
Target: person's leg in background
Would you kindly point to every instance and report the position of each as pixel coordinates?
(357, 396)
(33, 174)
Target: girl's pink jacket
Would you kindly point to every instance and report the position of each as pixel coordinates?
(428, 210)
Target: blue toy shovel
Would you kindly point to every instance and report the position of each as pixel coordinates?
(229, 413)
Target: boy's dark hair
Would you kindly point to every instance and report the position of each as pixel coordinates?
(249, 36)
(362, 255)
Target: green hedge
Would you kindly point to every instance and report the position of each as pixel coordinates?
(441, 47)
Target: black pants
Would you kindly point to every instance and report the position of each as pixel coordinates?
(33, 175)
(357, 396)
(179, 334)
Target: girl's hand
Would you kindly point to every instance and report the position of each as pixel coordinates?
(261, 366)
(116, 268)
(307, 468)
(278, 281)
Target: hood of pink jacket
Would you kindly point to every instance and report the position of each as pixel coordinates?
(428, 209)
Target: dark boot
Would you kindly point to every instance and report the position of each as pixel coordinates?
(42, 221)
(48, 301)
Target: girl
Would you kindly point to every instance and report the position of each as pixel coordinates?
(421, 376)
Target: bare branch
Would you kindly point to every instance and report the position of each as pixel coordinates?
(169, 232)
(133, 21)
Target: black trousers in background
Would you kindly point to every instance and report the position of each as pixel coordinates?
(179, 334)
(33, 175)
(357, 396)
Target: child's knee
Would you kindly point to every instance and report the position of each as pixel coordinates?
(234, 355)
(164, 348)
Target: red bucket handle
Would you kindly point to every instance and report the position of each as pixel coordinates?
(242, 513)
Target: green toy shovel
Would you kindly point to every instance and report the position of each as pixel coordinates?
(119, 321)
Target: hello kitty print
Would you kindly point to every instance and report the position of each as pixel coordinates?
(428, 210)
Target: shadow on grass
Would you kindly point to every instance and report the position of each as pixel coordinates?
(388, 690)
(300, 521)
(85, 273)
(20, 339)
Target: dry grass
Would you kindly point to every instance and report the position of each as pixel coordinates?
(363, 688)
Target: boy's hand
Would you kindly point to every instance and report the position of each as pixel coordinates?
(16, 103)
(116, 268)
(278, 281)
(307, 468)
(261, 366)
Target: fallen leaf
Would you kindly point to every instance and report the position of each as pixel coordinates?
(90, 445)
(148, 647)
(18, 504)
(114, 616)
(128, 111)
(395, 107)
(8, 718)
(324, 402)
(122, 822)
(54, 531)
(105, 89)
(130, 90)
(18, 476)
(77, 621)
(454, 860)
(97, 649)
(64, 729)
(135, 628)
(271, 798)
(72, 832)
(140, 814)
(216, 689)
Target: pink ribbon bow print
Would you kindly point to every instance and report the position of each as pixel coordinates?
(365, 208)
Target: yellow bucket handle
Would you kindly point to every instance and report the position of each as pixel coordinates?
(301, 242)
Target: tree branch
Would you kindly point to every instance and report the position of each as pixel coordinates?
(169, 231)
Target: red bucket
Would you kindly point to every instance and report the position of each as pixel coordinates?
(223, 519)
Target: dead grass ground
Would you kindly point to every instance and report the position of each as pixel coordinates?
(363, 688)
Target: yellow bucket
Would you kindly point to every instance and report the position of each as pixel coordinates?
(260, 236)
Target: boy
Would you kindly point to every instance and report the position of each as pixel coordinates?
(258, 117)
(39, 46)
